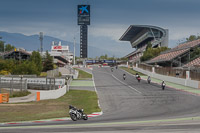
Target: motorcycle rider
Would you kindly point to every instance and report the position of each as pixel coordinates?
(124, 76)
(136, 75)
(77, 114)
(163, 84)
(138, 78)
(149, 79)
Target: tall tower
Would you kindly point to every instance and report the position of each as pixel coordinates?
(83, 21)
(41, 41)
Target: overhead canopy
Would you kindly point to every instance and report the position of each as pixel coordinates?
(193, 63)
(136, 34)
(175, 52)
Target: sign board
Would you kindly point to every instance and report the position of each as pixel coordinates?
(57, 47)
(83, 14)
(60, 48)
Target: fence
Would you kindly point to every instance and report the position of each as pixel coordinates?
(145, 67)
(53, 73)
(194, 75)
(168, 71)
(31, 83)
(20, 84)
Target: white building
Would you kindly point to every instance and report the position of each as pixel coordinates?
(61, 54)
(62, 51)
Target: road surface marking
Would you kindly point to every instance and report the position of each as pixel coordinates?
(127, 84)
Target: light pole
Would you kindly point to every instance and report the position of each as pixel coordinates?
(74, 51)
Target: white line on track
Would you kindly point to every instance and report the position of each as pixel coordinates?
(127, 84)
(97, 93)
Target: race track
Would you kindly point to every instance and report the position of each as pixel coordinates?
(129, 106)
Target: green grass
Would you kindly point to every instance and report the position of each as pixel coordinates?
(47, 109)
(83, 75)
(130, 70)
(20, 94)
(15, 93)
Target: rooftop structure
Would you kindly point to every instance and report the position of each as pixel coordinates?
(193, 63)
(140, 35)
(61, 54)
(17, 54)
(176, 56)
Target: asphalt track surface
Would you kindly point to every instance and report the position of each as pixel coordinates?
(129, 106)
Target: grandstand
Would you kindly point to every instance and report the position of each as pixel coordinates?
(193, 63)
(176, 57)
(17, 54)
(140, 35)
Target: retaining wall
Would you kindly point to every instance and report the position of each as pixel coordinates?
(185, 82)
(51, 94)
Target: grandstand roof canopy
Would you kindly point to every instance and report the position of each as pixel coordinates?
(175, 52)
(193, 63)
(137, 34)
(17, 54)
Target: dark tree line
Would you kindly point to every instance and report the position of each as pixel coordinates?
(32, 66)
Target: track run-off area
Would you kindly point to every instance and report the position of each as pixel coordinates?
(128, 106)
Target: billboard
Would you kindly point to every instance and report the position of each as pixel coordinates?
(83, 14)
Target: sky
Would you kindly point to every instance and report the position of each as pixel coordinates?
(109, 19)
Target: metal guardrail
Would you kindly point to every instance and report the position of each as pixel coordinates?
(31, 83)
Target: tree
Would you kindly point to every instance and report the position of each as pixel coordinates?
(27, 67)
(2, 46)
(149, 45)
(9, 47)
(104, 57)
(195, 53)
(37, 59)
(48, 62)
(152, 52)
(192, 38)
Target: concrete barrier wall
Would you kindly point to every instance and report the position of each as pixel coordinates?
(53, 94)
(58, 81)
(185, 82)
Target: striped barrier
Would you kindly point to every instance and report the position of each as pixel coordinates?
(4, 98)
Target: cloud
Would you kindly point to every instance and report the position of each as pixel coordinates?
(111, 31)
(180, 33)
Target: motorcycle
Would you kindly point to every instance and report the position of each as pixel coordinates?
(77, 114)
(111, 69)
(138, 78)
(149, 79)
(124, 76)
(163, 85)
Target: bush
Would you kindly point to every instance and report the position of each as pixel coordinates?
(43, 74)
(20, 94)
(4, 72)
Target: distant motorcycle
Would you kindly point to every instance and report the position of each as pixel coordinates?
(138, 78)
(111, 69)
(163, 85)
(149, 79)
(77, 114)
(124, 76)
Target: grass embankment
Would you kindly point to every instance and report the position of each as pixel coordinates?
(83, 75)
(15, 93)
(130, 70)
(47, 109)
